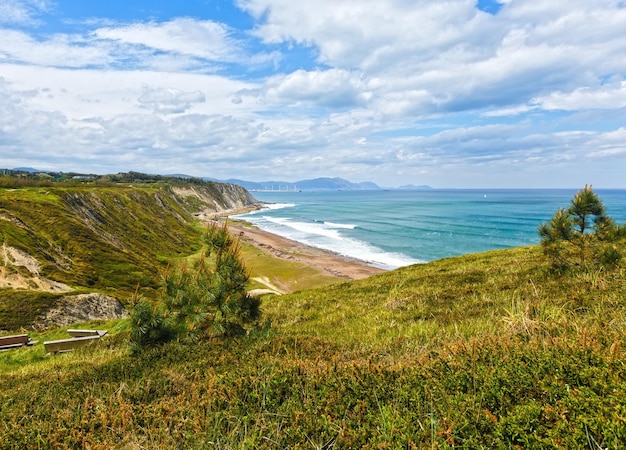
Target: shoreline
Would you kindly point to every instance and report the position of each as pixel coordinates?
(286, 249)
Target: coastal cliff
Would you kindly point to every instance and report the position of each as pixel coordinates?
(66, 240)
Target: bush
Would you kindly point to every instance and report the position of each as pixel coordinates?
(201, 299)
(151, 325)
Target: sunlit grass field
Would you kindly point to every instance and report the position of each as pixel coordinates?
(480, 351)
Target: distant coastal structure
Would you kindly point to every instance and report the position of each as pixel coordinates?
(280, 188)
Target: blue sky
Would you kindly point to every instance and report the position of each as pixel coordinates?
(455, 93)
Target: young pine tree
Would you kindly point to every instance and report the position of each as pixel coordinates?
(205, 298)
(581, 236)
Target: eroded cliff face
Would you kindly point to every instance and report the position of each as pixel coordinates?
(103, 210)
(19, 270)
(101, 239)
(219, 199)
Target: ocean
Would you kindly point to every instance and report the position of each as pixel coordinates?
(394, 228)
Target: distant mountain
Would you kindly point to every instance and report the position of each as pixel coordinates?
(316, 184)
(26, 169)
(335, 184)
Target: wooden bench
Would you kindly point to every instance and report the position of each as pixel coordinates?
(15, 341)
(79, 338)
(82, 333)
(65, 345)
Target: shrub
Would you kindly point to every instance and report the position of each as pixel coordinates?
(151, 325)
(201, 299)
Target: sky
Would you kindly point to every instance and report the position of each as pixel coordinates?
(448, 93)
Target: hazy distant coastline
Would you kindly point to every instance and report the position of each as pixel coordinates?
(315, 184)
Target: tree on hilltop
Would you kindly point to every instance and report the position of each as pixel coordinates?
(582, 235)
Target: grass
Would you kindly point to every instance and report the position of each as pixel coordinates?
(22, 308)
(34, 359)
(290, 275)
(480, 351)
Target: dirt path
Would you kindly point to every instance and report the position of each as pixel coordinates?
(271, 289)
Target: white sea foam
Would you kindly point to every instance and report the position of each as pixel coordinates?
(269, 206)
(278, 205)
(329, 237)
(310, 229)
(347, 226)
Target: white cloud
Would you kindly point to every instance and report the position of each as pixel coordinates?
(186, 36)
(81, 94)
(170, 101)
(429, 57)
(58, 50)
(332, 88)
(611, 96)
(181, 44)
(370, 35)
(609, 144)
(413, 87)
(21, 12)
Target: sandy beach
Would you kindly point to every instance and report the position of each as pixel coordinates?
(287, 249)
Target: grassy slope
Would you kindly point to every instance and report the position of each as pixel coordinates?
(480, 351)
(105, 239)
(294, 276)
(102, 239)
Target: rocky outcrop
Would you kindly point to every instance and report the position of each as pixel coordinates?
(83, 308)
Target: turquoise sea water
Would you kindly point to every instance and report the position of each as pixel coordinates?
(393, 228)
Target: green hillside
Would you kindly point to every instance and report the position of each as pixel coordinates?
(481, 351)
(106, 237)
(491, 350)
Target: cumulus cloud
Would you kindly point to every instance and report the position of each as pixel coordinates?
(86, 93)
(332, 88)
(373, 35)
(436, 57)
(356, 88)
(170, 101)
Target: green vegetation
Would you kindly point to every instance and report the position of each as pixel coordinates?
(22, 178)
(571, 241)
(102, 239)
(98, 238)
(289, 275)
(481, 351)
(199, 300)
(21, 308)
